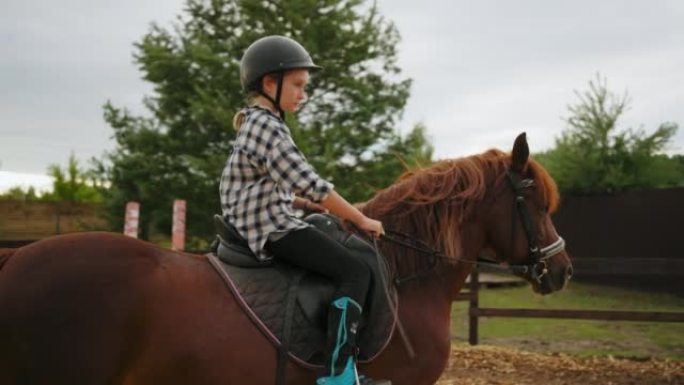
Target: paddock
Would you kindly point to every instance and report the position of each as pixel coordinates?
(490, 365)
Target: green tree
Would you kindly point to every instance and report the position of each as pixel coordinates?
(18, 193)
(346, 129)
(594, 155)
(72, 184)
(403, 153)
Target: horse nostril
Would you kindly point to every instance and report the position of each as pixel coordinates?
(568, 272)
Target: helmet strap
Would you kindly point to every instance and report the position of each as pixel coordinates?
(279, 91)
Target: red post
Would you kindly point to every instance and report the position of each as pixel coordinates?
(131, 219)
(178, 229)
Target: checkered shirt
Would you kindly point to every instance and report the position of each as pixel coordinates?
(262, 176)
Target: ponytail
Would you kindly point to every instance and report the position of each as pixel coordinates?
(239, 116)
(238, 119)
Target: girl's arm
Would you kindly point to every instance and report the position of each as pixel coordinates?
(343, 209)
(307, 205)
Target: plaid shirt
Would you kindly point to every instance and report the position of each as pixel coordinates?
(262, 176)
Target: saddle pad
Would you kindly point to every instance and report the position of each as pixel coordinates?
(262, 293)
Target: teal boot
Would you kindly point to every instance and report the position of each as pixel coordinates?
(343, 324)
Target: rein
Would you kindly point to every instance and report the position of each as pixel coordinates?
(421, 247)
(406, 240)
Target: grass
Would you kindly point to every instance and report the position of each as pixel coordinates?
(579, 337)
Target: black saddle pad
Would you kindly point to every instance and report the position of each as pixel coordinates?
(263, 294)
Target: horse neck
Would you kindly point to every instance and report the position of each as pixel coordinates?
(440, 286)
(425, 305)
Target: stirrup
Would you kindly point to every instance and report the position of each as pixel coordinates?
(363, 380)
(347, 377)
(350, 376)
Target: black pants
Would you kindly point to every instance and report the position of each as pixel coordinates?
(314, 250)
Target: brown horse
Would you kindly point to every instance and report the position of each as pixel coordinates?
(100, 308)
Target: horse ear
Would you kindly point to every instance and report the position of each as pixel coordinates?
(521, 151)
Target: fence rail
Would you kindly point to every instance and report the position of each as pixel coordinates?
(475, 312)
(14, 243)
(628, 266)
(599, 315)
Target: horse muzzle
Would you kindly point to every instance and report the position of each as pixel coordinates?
(551, 275)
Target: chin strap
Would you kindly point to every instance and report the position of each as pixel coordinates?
(279, 91)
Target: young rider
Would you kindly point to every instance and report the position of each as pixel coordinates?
(266, 177)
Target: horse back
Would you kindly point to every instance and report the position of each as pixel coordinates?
(75, 307)
(5, 254)
(103, 308)
(89, 267)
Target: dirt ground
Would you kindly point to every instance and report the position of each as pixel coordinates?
(489, 365)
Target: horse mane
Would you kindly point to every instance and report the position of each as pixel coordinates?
(432, 203)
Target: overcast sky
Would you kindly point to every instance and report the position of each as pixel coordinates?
(482, 71)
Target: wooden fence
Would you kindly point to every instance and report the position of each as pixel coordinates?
(22, 221)
(475, 312)
(612, 236)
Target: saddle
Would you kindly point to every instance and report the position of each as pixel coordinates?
(289, 304)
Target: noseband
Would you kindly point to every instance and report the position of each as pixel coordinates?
(538, 256)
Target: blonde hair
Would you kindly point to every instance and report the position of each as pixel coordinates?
(238, 119)
(239, 116)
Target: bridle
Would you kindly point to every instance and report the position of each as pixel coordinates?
(538, 256)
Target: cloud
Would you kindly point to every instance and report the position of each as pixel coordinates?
(483, 71)
(61, 62)
(41, 183)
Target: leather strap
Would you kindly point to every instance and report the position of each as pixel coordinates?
(281, 363)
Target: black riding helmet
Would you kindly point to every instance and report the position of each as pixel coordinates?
(272, 55)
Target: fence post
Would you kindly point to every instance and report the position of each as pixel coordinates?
(58, 218)
(131, 219)
(178, 228)
(474, 303)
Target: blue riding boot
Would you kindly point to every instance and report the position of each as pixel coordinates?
(340, 364)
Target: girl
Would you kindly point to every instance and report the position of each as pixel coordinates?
(267, 177)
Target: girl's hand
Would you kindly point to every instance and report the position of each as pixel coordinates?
(372, 227)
